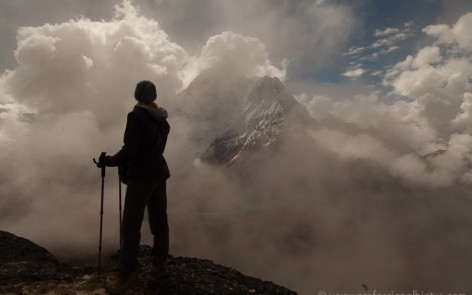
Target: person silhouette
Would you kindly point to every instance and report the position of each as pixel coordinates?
(145, 140)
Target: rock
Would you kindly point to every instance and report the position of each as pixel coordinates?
(23, 261)
(201, 276)
(26, 268)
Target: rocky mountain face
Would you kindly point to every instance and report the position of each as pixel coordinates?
(212, 100)
(26, 268)
(266, 112)
(23, 261)
(235, 117)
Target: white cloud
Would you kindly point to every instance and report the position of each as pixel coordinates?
(409, 24)
(78, 78)
(307, 33)
(386, 31)
(355, 73)
(399, 122)
(437, 77)
(248, 54)
(319, 107)
(464, 117)
(437, 81)
(386, 42)
(427, 56)
(389, 41)
(390, 49)
(76, 56)
(350, 147)
(355, 50)
(459, 33)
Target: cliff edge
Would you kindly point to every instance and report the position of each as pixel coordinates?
(26, 268)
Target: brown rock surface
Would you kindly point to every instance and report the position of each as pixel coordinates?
(26, 268)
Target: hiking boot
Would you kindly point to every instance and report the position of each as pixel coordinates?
(159, 272)
(124, 283)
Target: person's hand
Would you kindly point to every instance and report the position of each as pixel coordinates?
(101, 160)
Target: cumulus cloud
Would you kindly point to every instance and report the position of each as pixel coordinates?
(250, 53)
(457, 34)
(304, 32)
(437, 77)
(464, 118)
(423, 134)
(77, 55)
(424, 130)
(67, 98)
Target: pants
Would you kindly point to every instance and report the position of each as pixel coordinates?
(138, 196)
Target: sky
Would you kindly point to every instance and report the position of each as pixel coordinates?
(389, 83)
(357, 25)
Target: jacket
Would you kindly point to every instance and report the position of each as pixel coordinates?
(144, 144)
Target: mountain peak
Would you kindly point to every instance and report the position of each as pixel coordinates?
(265, 113)
(232, 115)
(274, 81)
(270, 95)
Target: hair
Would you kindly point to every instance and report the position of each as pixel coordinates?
(145, 91)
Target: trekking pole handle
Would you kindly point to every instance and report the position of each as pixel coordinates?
(102, 155)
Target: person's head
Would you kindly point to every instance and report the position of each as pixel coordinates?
(145, 92)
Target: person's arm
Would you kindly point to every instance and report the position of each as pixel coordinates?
(131, 141)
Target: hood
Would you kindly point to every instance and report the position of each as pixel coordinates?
(156, 112)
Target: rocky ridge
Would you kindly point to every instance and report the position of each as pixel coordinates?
(233, 117)
(26, 268)
(267, 111)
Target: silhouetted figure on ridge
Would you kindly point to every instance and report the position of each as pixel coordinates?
(142, 153)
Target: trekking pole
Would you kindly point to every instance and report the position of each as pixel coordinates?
(101, 219)
(119, 207)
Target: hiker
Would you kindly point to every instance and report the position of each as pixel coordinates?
(144, 143)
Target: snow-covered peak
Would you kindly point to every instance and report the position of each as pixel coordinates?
(268, 88)
(267, 110)
(231, 116)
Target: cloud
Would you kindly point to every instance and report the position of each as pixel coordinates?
(355, 50)
(67, 99)
(76, 56)
(368, 159)
(356, 73)
(247, 53)
(386, 31)
(437, 78)
(350, 147)
(319, 107)
(430, 114)
(386, 41)
(459, 33)
(464, 117)
(389, 41)
(304, 32)
(389, 49)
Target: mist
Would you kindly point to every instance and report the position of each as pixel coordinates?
(376, 191)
